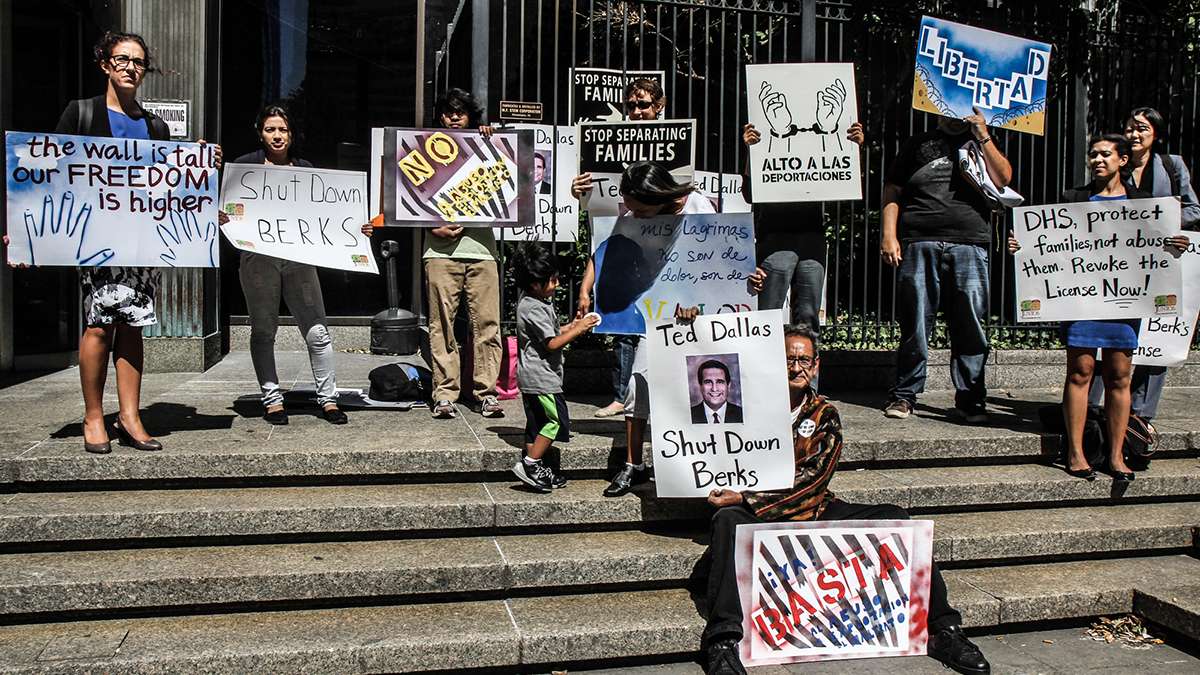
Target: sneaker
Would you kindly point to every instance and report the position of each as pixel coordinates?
(490, 407)
(898, 409)
(971, 414)
(444, 410)
(721, 658)
(559, 481)
(625, 479)
(956, 652)
(537, 475)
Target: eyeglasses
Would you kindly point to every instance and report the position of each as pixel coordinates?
(805, 361)
(640, 105)
(121, 62)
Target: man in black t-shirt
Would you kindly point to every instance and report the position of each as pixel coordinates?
(936, 230)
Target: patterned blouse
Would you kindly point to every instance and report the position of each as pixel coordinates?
(817, 443)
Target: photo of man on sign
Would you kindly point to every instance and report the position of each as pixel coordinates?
(716, 390)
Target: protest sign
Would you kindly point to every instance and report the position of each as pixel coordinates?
(719, 416)
(458, 176)
(724, 190)
(959, 67)
(1166, 340)
(554, 164)
(1097, 260)
(306, 215)
(606, 148)
(648, 267)
(802, 111)
(89, 201)
(598, 94)
(816, 591)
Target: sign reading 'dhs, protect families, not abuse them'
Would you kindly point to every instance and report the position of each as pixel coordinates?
(961, 67)
(1097, 260)
(458, 176)
(719, 412)
(817, 591)
(90, 201)
(307, 215)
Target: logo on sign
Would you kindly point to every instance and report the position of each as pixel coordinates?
(360, 261)
(1031, 309)
(235, 210)
(1166, 304)
(245, 244)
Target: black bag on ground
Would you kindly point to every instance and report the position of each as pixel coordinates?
(399, 382)
(1095, 449)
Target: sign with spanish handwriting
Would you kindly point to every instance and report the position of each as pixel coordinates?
(458, 176)
(719, 413)
(1097, 260)
(88, 201)
(306, 215)
(821, 591)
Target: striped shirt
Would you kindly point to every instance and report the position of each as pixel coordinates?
(817, 443)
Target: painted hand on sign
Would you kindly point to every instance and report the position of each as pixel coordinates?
(775, 107)
(830, 105)
(61, 224)
(185, 242)
(831, 102)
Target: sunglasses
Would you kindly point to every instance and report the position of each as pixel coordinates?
(640, 105)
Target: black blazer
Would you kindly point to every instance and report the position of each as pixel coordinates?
(702, 415)
(1084, 192)
(71, 120)
(260, 157)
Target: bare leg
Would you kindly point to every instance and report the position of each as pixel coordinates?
(635, 430)
(1080, 365)
(538, 448)
(1118, 371)
(94, 345)
(128, 355)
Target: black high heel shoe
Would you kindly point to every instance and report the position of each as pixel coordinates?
(129, 441)
(1088, 474)
(1122, 476)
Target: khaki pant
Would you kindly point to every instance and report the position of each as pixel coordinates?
(446, 280)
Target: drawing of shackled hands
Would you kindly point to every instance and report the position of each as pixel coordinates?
(830, 105)
(185, 243)
(62, 229)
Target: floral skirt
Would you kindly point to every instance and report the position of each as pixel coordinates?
(119, 295)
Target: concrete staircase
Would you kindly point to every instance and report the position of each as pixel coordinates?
(399, 543)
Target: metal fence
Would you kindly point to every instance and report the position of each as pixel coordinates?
(1105, 62)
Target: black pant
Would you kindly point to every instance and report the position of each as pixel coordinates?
(724, 605)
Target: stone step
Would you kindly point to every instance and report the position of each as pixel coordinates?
(139, 514)
(1177, 609)
(166, 578)
(539, 631)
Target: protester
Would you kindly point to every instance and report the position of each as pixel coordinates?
(790, 246)
(117, 301)
(1157, 174)
(648, 190)
(540, 341)
(644, 100)
(817, 448)
(1108, 155)
(936, 230)
(265, 279)
(462, 261)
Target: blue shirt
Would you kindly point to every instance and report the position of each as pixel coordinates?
(124, 126)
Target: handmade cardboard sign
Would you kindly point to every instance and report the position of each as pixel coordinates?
(802, 111)
(458, 176)
(1166, 340)
(554, 164)
(606, 148)
(89, 201)
(960, 67)
(646, 268)
(598, 94)
(719, 414)
(724, 190)
(307, 215)
(1097, 260)
(816, 591)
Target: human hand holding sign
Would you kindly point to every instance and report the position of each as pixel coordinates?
(184, 240)
(63, 225)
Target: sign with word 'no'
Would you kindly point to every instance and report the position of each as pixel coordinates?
(816, 591)
(961, 67)
(1097, 260)
(437, 177)
(86, 201)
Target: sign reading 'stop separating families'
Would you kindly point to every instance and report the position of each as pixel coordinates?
(606, 148)
(646, 268)
(719, 414)
(959, 67)
(598, 94)
(834, 590)
(802, 111)
(554, 164)
(87, 201)
(1097, 260)
(458, 176)
(313, 216)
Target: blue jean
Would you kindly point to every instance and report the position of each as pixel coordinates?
(624, 346)
(956, 277)
(804, 277)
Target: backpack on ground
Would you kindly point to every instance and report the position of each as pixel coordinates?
(400, 382)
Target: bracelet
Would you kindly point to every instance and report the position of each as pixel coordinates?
(985, 141)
